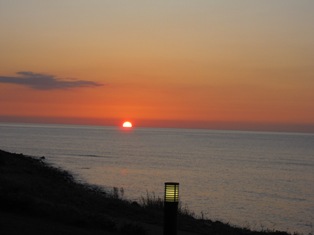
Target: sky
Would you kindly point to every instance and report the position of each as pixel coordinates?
(216, 64)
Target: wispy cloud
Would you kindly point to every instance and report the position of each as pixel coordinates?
(40, 81)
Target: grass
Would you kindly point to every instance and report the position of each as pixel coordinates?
(30, 187)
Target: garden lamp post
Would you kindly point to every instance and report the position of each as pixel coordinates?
(171, 201)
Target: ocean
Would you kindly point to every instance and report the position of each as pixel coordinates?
(260, 180)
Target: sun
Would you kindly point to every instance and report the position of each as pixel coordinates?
(127, 124)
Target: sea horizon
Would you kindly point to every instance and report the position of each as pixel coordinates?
(90, 125)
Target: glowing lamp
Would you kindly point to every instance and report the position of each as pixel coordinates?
(171, 192)
(171, 202)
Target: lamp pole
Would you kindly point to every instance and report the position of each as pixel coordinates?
(171, 201)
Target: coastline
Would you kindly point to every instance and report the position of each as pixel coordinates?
(36, 197)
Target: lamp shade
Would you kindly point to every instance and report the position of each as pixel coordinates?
(171, 192)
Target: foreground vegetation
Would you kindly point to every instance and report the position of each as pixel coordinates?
(31, 188)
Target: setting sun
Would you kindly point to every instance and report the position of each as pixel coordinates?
(127, 124)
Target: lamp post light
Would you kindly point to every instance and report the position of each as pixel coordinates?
(171, 201)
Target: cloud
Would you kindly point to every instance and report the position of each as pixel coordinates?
(40, 81)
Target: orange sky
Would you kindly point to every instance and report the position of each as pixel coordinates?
(206, 64)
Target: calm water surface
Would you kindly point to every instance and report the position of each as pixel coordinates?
(255, 179)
